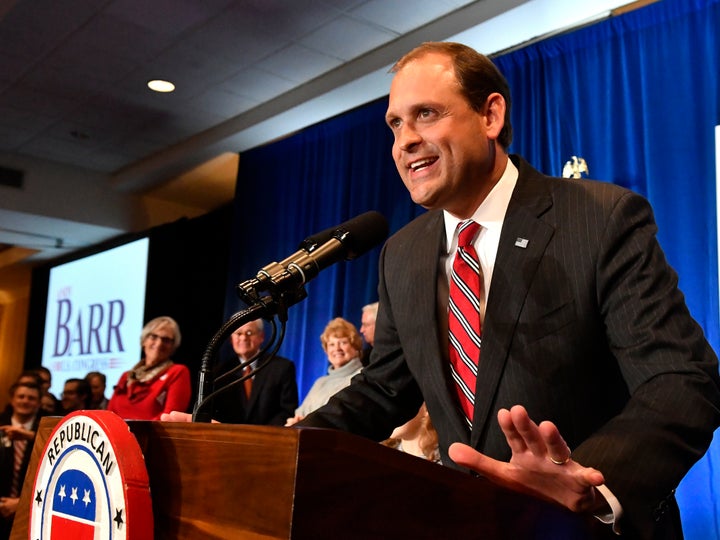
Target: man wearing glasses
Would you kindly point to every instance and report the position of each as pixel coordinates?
(75, 396)
(266, 398)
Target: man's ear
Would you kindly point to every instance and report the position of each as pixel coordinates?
(494, 115)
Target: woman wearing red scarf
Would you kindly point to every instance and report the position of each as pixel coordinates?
(156, 384)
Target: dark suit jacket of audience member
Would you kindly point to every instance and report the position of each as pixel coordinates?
(7, 462)
(273, 399)
(7, 455)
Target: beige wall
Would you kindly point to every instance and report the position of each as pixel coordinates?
(14, 304)
(60, 197)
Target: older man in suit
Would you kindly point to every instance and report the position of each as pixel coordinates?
(582, 325)
(269, 397)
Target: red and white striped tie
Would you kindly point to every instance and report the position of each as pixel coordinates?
(19, 453)
(464, 318)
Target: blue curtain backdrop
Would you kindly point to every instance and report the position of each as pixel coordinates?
(306, 183)
(636, 96)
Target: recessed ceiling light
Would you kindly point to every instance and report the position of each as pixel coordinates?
(158, 85)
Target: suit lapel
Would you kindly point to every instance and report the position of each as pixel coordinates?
(523, 241)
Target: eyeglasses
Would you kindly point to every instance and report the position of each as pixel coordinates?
(248, 333)
(164, 339)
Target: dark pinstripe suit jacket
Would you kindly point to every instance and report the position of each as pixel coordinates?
(584, 326)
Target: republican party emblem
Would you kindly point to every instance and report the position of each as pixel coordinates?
(91, 482)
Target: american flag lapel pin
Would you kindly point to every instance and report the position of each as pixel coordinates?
(521, 242)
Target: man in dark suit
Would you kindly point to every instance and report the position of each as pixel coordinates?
(18, 425)
(76, 395)
(270, 397)
(583, 326)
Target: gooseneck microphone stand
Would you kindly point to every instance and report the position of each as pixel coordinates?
(279, 285)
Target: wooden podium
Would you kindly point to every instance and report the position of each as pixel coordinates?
(219, 481)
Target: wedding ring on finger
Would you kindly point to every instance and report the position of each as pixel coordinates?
(559, 462)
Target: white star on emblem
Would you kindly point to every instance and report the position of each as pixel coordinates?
(62, 494)
(86, 497)
(73, 495)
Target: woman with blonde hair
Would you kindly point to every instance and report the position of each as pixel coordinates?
(342, 343)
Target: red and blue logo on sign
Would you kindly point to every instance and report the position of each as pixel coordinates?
(91, 483)
(73, 507)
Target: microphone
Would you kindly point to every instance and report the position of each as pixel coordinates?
(285, 280)
(311, 243)
(347, 241)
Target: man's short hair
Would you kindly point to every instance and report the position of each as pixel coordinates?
(477, 75)
(23, 384)
(90, 376)
(372, 309)
(83, 387)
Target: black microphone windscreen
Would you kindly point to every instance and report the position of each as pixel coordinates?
(362, 233)
(317, 239)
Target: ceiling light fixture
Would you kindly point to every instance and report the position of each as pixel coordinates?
(11, 237)
(158, 85)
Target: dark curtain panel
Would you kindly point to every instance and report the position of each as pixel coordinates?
(636, 96)
(187, 271)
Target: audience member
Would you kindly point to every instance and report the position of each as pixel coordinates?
(45, 402)
(98, 383)
(46, 376)
(156, 384)
(342, 344)
(367, 329)
(416, 437)
(17, 435)
(75, 396)
(27, 376)
(583, 325)
(267, 398)
(49, 405)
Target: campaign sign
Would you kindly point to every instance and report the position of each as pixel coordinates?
(91, 483)
(95, 312)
